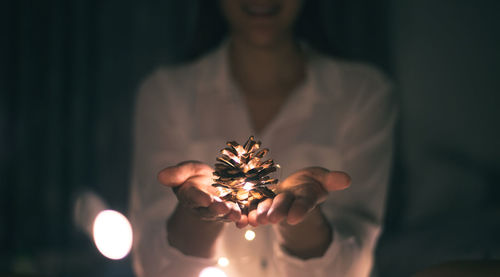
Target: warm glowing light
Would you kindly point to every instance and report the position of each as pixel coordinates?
(248, 186)
(212, 272)
(223, 261)
(243, 174)
(249, 235)
(112, 234)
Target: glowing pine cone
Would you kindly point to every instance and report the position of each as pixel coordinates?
(241, 176)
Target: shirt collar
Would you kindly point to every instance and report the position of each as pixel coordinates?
(299, 104)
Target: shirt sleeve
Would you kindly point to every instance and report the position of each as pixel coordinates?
(159, 137)
(355, 214)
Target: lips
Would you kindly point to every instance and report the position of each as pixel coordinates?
(261, 10)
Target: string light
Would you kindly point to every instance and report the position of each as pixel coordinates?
(112, 234)
(212, 272)
(223, 261)
(249, 235)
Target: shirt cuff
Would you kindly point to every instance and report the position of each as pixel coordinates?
(176, 257)
(289, 265)
(158, 258)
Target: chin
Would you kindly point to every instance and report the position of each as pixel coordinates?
(265, 39)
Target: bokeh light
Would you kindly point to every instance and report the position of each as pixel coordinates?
(249, 235)
(212, 272)
(112, 234)
(223, 261)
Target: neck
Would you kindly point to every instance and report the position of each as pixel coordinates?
(259, 69)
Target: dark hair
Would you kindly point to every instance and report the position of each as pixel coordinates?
(211, 28)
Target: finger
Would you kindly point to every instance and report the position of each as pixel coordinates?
(234, 213)
(300, 207)
(280, 206)
(262, 210)
(205, 213)
(251, 211)
(176, 175)
(252, 217)
(331, 180)
(213, 213)
(219, 208)
(307, 182)
(243, 222)
(194, 196)
(336, 180)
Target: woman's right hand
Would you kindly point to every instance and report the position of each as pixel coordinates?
(191, 181)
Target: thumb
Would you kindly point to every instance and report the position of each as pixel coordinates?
(174, 176)
(336, 180)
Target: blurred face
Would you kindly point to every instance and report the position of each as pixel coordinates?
(261, 22)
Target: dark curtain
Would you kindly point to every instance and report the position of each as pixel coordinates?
(69, 72)
(444, 202)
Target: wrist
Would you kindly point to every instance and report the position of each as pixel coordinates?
(308, 239)
(192, 235)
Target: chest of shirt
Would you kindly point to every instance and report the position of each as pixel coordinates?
(300, 135)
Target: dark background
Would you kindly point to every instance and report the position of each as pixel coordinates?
(69, 72)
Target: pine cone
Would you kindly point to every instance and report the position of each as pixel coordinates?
(241, 176)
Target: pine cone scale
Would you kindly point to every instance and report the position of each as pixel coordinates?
(242, 176)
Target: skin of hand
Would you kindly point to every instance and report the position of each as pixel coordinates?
(298, 195)
(198, 219)
(297, 219)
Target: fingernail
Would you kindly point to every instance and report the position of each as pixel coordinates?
(216, 198)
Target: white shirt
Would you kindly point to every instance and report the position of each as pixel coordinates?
(340, 118)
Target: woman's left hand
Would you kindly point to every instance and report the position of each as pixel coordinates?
(298, 195)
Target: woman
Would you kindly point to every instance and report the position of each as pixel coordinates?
(313, 112)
